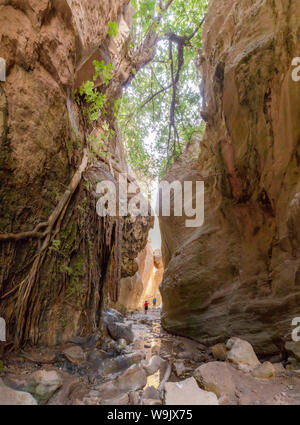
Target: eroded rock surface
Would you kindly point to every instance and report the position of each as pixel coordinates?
(238, 274)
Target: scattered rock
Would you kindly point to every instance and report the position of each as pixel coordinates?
(179, 368)
(185, 355)
(10, 397)
(153, 365)
(43, 384)
(122, 400)
(122, 342)
(241, 353)
(279, 369)
(219, 351)
(264, 371)
(74, 354)
(120, 331)
(187, 392)
(89, 341)
(150, 402)
(293, 348)
(111, 316)
(151, 393)
(224, 400)
(215, 377)
(63, 396)
(132, 379)
(134, 398)
(120, 363)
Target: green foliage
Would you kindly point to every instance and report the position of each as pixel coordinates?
(146, 129)
(94, 98)
(113, 29)
(105, 71)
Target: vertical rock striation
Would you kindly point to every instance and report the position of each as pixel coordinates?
(53, 286)
(238, 275)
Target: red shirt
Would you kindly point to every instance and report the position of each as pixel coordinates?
(146, 303)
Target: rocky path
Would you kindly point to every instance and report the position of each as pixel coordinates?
(139, 363)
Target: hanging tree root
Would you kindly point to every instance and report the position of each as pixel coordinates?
(35, 233)
(25, 287)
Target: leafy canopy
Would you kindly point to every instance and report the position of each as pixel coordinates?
(159, 115)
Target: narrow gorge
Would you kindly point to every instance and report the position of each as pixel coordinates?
(109, 111)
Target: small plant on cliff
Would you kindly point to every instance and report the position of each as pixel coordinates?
(113, 29)
(90, 98)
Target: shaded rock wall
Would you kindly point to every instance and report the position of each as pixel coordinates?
(144, 284)
(238, 275)
(49, 46)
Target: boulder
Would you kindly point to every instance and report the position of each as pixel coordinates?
(121, 400)
(111, 316)
(179, 368)
(74, 354)
(241, 353)
(151, 402)
(43, 384)
(215, 377)
(151, 393)
(132, 379)
(120, 363)
(89, 341)
(119, 330)
(293, 348)
(264, 371)
(153, 364)
(187, 392)
(219, 351)
(10, 397)
(134, 398)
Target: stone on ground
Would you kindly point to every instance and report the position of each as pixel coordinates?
(153, 365)
(10, 397)
(43, 384)
(151, 393)
(241, 353)
(219, 351)
(110, 316)
(120, 331)
(179, 368)
(215, 377)
(293, 348)
(74, 354)
(132, 379)
(187, 392)
(151, 402)
(264, 371)
(120, 363)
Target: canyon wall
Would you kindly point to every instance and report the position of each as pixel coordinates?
(239, 274)
(59, 261)
(144, 285)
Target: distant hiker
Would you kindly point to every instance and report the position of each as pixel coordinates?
(154, 302)
(146, 306)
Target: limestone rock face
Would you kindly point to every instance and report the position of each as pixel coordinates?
(10, 397)
(239, 273)
(215, 377)
(49, 48)
(187, 392)
(241, 352)
(144, 285)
